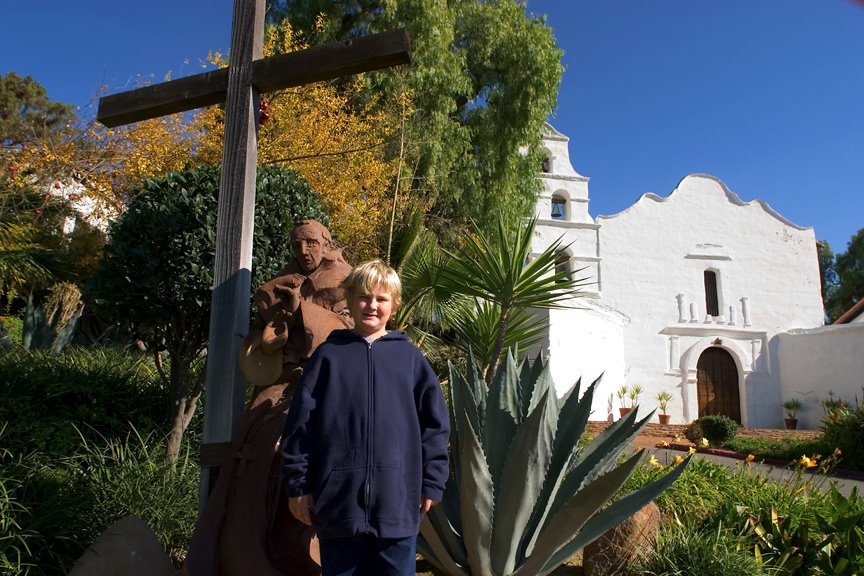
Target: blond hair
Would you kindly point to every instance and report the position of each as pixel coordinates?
(365, 277)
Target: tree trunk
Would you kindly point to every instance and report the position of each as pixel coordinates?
(497, 348)
(184, 395)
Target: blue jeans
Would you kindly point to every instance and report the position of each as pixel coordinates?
(369, 556)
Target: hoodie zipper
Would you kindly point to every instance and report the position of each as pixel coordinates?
(370, 444)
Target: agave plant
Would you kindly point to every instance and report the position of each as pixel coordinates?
(49, 329)
(525, 493)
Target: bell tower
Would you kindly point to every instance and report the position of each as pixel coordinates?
(562, 210)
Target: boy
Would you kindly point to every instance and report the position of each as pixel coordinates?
(365, 443)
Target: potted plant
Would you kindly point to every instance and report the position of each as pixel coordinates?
(663, 397)
(633, 394)
(624, 393)
(622, 397)
(791, 407)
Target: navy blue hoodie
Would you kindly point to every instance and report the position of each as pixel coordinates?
(367, 436)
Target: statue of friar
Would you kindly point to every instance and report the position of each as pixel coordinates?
(245, 527)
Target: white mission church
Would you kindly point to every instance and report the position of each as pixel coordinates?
(715, 300)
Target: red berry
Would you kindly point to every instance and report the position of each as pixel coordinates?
(73, 196)
(38, 211)
(57, 185)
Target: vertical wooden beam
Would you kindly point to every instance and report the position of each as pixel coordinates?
(232, 278)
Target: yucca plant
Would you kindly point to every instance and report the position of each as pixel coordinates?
(525, 494)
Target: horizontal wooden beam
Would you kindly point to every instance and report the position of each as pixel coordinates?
(330, 61)
(315, 64)
(163, 99)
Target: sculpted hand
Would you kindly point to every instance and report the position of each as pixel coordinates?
(291, 292)
(301, 508)
(426, 504)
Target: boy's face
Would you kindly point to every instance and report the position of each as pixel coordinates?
(371, 312)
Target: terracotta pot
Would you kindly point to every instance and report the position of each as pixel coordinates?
(624, 411)
(791, 423)
(664, 419)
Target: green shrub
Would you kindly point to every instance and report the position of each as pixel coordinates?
(718, 429)
(844, 429)
(693, 432)
(14, 326)
(131, 477)
(14, 549)
(788, 449)
(72, 501)
(100, 390)
(687, 549)
(832, 542)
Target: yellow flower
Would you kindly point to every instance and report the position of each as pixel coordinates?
(704, 442)
(808, 462)
(653, 461)
(589, 438)
(750, 457)
(692, 450)
(663, 444)
(678, 459)
(677, 438)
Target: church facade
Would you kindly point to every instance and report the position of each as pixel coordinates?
(685, 293)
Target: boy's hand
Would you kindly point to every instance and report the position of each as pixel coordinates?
(301, 508)
(426, 504)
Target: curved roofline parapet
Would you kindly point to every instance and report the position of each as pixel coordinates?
(731, 196)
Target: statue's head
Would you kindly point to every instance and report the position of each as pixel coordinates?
(310, 241)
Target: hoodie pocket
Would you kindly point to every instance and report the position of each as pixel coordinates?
(341, 496)
(390, 498)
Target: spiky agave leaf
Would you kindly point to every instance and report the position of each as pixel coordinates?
(522, 481)
(475, 500)
(613, 515)
(502, 417)
(571, 425)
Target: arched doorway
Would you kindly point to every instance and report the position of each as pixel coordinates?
(717, 384)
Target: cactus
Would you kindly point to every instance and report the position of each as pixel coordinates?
(524, 493)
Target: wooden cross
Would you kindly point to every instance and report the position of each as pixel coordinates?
(239, 86)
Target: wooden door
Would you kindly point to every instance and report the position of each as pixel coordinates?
(717, 384)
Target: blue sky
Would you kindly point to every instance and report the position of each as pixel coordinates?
(768, 96)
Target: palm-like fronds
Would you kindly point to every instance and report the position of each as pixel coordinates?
(504, 273)
(23, 261)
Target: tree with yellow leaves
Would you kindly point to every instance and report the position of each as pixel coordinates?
(334, 142)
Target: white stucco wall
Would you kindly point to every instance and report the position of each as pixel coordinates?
(586, 341)
(647, 323)
(659, 249)
(814, 362)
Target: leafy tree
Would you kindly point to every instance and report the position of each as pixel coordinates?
(26, 113)
(484, 77)
(335, 143)
(826, 270)
(849, 270)
(156, 275)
